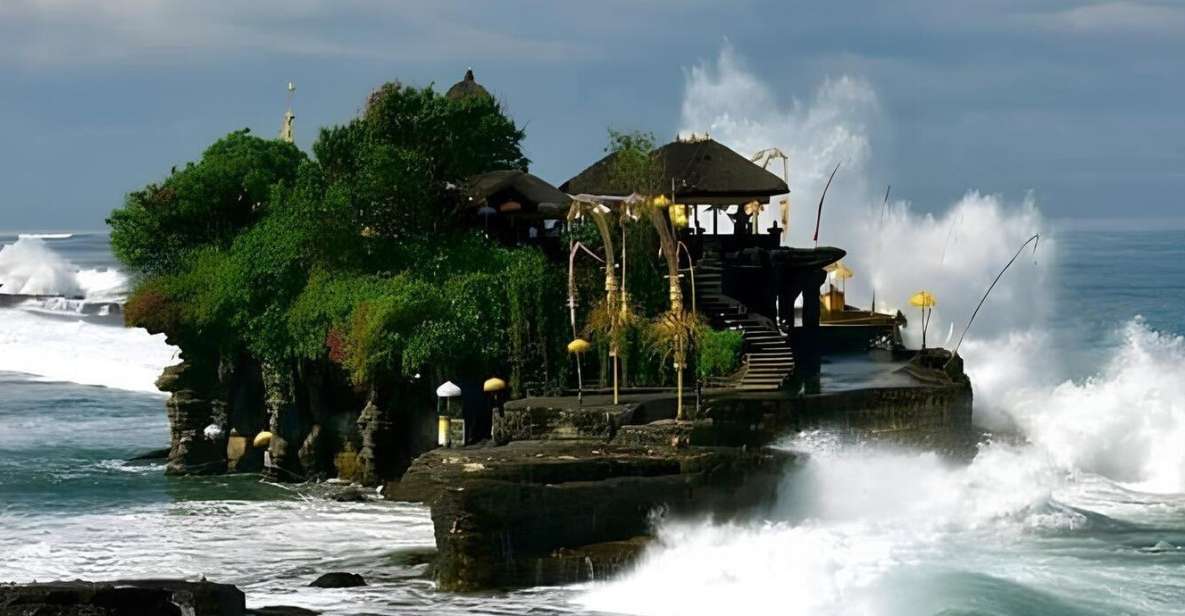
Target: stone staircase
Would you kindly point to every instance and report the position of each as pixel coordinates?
(768, 359)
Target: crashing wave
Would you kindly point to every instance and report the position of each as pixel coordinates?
(46, 236)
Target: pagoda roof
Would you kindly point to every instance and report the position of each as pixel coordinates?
(704, 171)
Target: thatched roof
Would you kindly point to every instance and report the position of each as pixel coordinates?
(536, 196)
(466, 88)
(704, 171)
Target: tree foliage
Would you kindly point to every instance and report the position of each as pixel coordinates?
(358, 257)
(206, 203)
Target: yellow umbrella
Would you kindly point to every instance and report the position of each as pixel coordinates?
(493, 384)
(577, 347)
(924, 300)
(679, 215)
(754, 209)
(840, 271)
(263, 439)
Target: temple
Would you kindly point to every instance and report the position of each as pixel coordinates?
(562, 487)
(651, 338)
(745, 279)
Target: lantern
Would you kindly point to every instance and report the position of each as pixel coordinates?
(446, 392)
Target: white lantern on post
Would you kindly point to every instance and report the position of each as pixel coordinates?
(446, 392)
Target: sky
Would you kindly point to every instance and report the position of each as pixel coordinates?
(1074, 105)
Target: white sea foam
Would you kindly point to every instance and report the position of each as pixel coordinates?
(46, 236)
(1127, 422)
(29, 267)
(895, 251)
(852, 525)
(81, 352)
(52, 340)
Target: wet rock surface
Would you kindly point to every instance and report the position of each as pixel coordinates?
(338, 579)
(281, 610)
(122, 598)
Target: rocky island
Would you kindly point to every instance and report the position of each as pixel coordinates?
(547, 368)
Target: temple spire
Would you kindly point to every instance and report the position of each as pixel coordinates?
(286, 131)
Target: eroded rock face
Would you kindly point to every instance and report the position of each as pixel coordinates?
(319, 426)
(286, 423)
(374, 423)
(192, 407)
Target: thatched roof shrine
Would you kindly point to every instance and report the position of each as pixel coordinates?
(466, 88)
(534, 196)
(704, 172)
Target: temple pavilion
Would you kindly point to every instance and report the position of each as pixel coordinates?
(744, 277)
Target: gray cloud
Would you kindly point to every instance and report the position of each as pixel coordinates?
(1122, 16)
(1075, 100)
(72, 32)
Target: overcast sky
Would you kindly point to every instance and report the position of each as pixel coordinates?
(1078, 102)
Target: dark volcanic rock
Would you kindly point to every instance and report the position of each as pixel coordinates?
(504, 515)
(338, 579)
(281, 610)
(336, 491)
(192, 406)
(589, 563)
(122, 598)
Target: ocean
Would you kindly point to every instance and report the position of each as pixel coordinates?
(1083, 515)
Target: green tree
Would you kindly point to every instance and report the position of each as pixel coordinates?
(204, 203)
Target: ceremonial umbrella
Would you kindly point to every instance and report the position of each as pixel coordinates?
(578, 347)
(924, 300)
(840, 271)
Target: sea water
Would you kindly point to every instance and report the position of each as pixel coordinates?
(1084, 514)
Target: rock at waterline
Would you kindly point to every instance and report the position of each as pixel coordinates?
(155, 454)
(122, 598)
(338, 579)
(281, 610)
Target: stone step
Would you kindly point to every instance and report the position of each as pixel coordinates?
(766, 374)
(770, 361)
(772, 383)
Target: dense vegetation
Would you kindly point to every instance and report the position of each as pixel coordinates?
(366, 256)
(362, 257)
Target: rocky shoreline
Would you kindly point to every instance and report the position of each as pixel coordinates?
(149, 597)
(131, 598)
